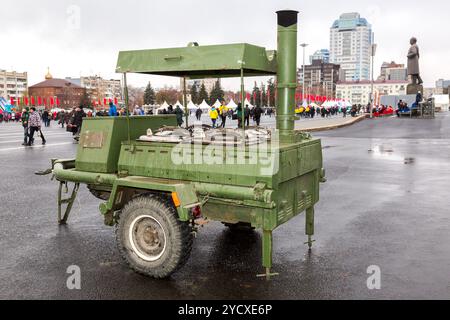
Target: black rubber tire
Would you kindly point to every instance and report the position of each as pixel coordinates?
(178, 235)
(240, 227)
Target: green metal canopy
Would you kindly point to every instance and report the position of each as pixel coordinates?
(199, 62)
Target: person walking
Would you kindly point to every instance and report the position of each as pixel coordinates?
(247, 116)
(223, 111)
(257, 114)
(198, 114)
(61, 118)
(214, 115)
(45, 118)
(25, 119)
(239, 115)
(112, 110)
(76, 122)
(34, 125)
(179, 114)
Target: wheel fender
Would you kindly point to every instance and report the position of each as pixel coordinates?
(183, 195)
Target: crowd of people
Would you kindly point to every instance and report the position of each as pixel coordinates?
(32, 119)
(326, 112)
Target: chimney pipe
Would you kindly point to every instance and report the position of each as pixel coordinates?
(287, 73)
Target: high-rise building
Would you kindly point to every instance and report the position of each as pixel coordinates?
(351, 38)
(393, 71)
(322, 54)
(320, 78)
(13, 84)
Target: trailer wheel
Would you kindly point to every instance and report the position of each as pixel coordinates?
(240, 227)
(151, 238)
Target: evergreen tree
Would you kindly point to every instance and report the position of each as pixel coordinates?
(216, 93)
(271, 90)
(149, 95)
(263, 95)
(203, 95)
(195, 97)
(256, 96)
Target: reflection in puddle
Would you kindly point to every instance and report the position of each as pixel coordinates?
(386, 151)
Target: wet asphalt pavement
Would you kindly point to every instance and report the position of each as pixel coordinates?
(386, 203)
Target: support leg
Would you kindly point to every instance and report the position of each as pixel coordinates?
(69, 202)
(267, 247)
(310, 226)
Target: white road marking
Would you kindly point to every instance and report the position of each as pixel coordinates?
(36, 146)
(49, 133)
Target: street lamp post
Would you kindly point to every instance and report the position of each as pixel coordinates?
(372, 54)
(303, 45)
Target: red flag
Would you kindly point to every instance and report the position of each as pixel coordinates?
(248, 96)
(52, 101)
(13, 102)
(115, 101)
(33, 100)
(26, 101)
(57, 102)
(104, 101)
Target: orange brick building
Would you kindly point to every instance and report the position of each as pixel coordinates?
(68, 93)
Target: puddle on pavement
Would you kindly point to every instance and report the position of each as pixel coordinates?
(386, 151)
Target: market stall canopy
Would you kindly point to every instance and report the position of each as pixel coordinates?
(232, 105)
(164, 106)
(247, 103)
(192, 106)
(178, 104)
(217, 104)
(204, 105)
(200, 62)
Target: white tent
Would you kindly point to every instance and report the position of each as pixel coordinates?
(192, 106)
(204, 106)
(217, 104)
(232, 105)
(347, 103)
(441, 101)
(165, 106)
(247, 103)
(314, 105)
(178, 104)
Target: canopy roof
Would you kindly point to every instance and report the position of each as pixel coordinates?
(204, 105)
(192, 106)
(232, 105)
(199, 62)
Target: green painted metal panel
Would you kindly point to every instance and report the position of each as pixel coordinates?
(101, 139)
(200, 62)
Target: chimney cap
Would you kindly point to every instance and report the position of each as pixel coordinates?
(287, 18)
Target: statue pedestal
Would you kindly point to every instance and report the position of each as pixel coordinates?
(414, 89)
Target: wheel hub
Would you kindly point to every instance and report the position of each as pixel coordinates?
(147, 237)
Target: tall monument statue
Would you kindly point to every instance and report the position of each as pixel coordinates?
(413, 63)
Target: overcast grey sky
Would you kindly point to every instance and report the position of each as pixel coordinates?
(37, 34)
